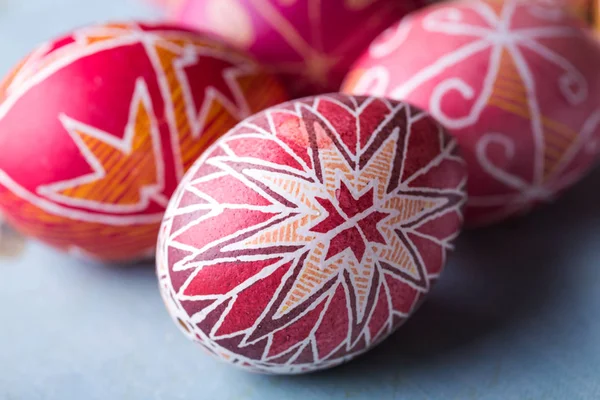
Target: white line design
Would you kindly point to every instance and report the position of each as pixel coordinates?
(469, 72)
(296, 203)
(125, 146)
(47, 60)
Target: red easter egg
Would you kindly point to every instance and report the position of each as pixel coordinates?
(98, 127)
(516, 83)
(311, 231)
(309, 44)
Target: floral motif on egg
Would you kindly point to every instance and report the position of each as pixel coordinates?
(311, 231)
(514, 81)
(99, 126)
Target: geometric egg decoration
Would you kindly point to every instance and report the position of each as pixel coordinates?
(311, 231)
(309, 44)
(515, 82)
(98, 127)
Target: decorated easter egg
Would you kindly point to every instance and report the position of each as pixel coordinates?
(98, 127)
(515, 82)
(310, 44)
(311, 231)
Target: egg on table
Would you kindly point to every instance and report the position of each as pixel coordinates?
(98, 127)
(515, 82)
(311, 231)
(310, 44)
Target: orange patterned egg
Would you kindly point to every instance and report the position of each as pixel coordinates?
(97, 128)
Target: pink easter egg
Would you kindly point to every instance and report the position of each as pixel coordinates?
(310, 44)
(516, 83)
(311, 231)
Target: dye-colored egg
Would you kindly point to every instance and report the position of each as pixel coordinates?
(516, 83)
(310, 44)
(311, 231)
(98, 127)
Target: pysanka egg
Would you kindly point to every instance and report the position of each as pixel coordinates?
(515, 82)
(98, 127)
(311, 44)
(311, 231)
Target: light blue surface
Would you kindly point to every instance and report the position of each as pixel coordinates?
(516, 315)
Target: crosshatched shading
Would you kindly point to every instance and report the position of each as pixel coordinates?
(311, 231)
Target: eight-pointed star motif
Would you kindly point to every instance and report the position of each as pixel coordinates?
(328, 205)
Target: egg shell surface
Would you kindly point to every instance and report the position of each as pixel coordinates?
(310, 44)
(98, 127)
(311, 231)
(515, 82)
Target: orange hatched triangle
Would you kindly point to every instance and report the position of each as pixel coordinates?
(183, 39)
(409, 208)
(108, 32)
(217, 121)
(510, 94)
(90, 39)
(361, 275)
(315, 273)
(496, 6)
(378, 169)
(395, 252)
(117, 25)
(126, 173)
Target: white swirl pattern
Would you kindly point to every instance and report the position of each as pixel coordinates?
(527, 46)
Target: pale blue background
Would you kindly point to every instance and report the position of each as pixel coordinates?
(516, 315)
